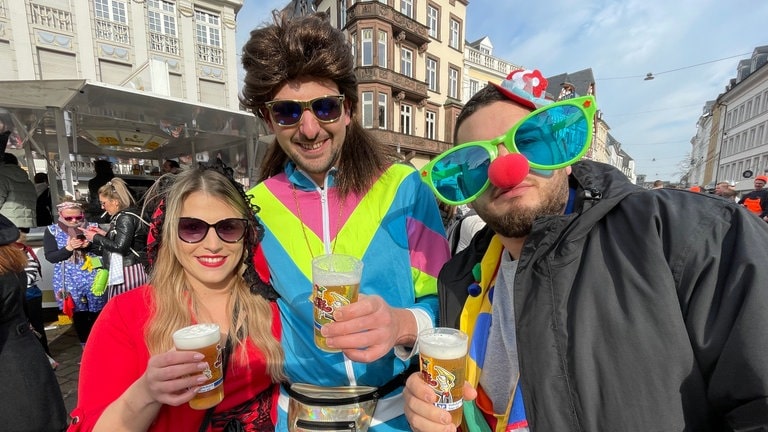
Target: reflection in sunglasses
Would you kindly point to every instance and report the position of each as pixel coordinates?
(326, 109)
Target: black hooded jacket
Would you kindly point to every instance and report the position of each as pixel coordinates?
(639, 311)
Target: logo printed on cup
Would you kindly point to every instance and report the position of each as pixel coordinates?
(335, 283)
(205, 339)
(442, 356)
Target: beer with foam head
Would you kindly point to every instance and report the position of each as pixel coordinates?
(205, 339)
(442, 355)
(335, 283)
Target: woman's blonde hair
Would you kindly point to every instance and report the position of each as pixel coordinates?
(117, 189)
(176, 306)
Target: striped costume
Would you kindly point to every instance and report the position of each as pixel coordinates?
(394, 228)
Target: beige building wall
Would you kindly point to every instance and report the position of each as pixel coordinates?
(59, 39)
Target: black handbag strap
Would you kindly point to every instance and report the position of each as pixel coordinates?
(209, 412)
(380, 392)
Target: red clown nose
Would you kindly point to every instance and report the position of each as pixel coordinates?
(508, 171)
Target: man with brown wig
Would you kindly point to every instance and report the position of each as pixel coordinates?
(328, 187)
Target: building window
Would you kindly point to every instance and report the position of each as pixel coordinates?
(453, 83)
(342, 13)
(162, 17)
(433, 20)
(406, 126)
(366, 40)
(431, 74)
(474, 87)
(367, 109)
(208, 34)
(382, 111)
(431, 124)
(406, 8)
(406, 62)
(382, 50)
(112, 10)
(455, 39)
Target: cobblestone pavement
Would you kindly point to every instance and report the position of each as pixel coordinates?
(65, 348)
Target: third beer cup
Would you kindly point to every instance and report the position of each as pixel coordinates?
(442, 354)
(335, 283)
(205, 339)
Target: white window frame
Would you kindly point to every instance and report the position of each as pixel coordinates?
(367, 101)
(161, 17)
(406, 62)
(382, 48)
(112, 10)
(366, 47)
(406, 8)
(406, 119)
(208, 28)
(474, 87)
(454, 40)
(430, 126)
(342, 13)
(382, 110)
(453, 83)
(433, 21)
(431, 74)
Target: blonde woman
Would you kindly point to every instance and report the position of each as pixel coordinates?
(131, 378)
(124, 246)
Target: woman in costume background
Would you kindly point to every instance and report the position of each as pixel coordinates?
(67, 249)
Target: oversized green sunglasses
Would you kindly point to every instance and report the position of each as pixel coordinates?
(552, 137)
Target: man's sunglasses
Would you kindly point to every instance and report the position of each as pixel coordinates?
(73, 218)
(193, 230)
(552, 137)
(326, 109)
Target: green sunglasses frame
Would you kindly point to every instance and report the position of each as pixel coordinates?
(585, 103)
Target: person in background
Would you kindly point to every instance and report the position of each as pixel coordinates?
(132, 378)
(124, 246)
(658, 184)
(44, 206)
(464, 230)
(329, 187)
(18, 198)
(756, 201)
(33, 306)
(612, 309)
(104, 173)
(68, 250)
(33, 400)
(170, 166)
(726, 190)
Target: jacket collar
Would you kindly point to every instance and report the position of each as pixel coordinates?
(302, 181)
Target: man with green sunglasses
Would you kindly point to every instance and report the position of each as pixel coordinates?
(611, 308)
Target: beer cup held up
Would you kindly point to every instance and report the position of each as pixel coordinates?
(442, 355)
(335, 283)
(205, 339)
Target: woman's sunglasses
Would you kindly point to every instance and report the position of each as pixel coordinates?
(552, 137)
(326, 109)
(73, 218)
(193, 230)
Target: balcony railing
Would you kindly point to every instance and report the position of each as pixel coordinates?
(409, 142)
(113, 31)
(210, 54)
(403, 26)
(51, 18)
(413, 89)
(163, 43)
(476, 57)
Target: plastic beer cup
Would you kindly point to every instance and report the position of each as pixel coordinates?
(442, 355)
(205, 339)
(335, 283)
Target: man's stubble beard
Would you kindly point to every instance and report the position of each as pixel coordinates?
(517, 222)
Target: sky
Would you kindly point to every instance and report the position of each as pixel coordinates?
(621, 40)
